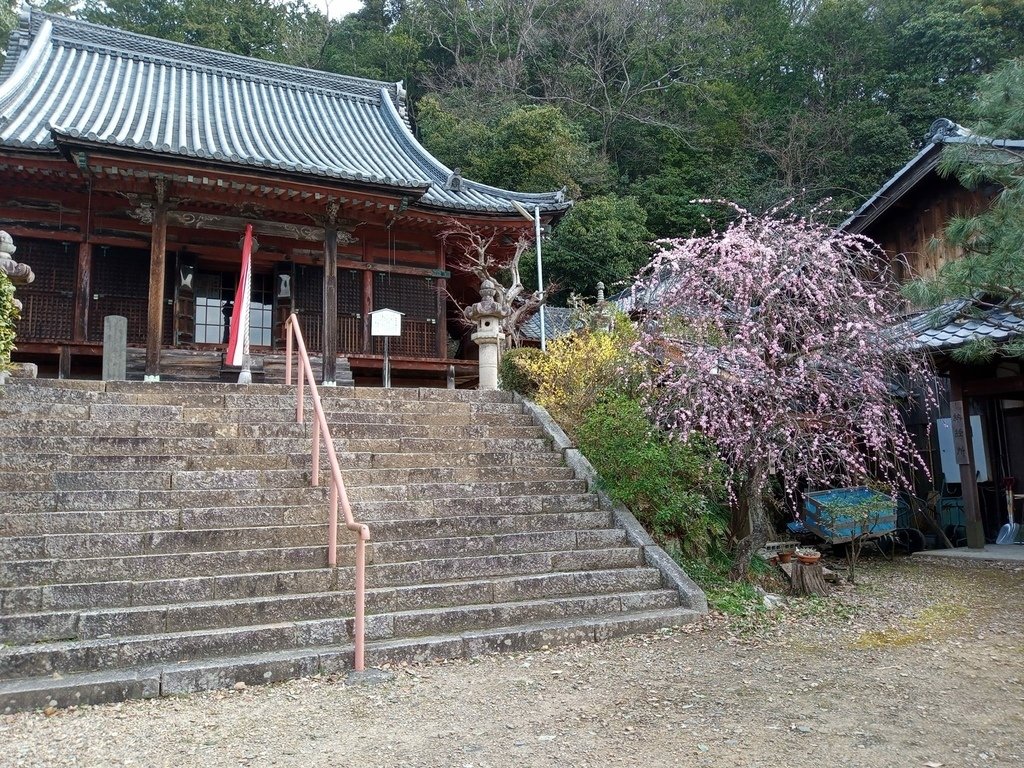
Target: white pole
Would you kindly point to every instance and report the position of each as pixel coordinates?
(540, 278)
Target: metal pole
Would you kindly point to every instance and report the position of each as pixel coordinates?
(540, 278)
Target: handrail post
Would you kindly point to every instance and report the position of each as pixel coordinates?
(302, 396)
(332, 530)
(359, 624)
(316, 452)
(288, 352)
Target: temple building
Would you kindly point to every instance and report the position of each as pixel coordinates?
(131, 166)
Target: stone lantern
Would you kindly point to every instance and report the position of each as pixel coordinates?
(19, 274)
(488, 314)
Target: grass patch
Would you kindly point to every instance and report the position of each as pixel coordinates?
(733, 598)
(934, 621)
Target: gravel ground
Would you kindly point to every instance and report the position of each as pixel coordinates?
(922, 664)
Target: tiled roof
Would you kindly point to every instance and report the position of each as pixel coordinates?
(557, 322)
(941, 133)
(68, 81)
(957, 323)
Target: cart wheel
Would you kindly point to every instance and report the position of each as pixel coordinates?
(912, 539)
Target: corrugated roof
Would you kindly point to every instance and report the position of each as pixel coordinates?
(71, 81)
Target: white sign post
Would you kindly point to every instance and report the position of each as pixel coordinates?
(386, 323)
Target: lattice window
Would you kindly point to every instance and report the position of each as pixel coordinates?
(120, 286)
(48, 312)
(415, 296)
(309, 304)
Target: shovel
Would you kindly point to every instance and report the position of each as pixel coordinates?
(1008, 533)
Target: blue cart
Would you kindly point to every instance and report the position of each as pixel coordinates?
(841, 515)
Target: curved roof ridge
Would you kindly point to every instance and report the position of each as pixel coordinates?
(440, 173)
(87, 35)
(74, 82)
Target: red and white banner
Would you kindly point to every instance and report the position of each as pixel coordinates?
(238, 340)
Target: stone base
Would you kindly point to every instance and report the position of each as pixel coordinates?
(369, 676)
(24, 371)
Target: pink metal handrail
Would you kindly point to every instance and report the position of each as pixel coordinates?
(322, 432)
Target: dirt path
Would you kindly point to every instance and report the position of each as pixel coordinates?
(921, 665)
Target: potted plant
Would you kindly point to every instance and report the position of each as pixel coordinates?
(808, 555)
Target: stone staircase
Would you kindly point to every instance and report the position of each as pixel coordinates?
(164, 538)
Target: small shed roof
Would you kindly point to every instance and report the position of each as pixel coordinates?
(71, 82)
(557, 322)
(941, 133)
(960, 322)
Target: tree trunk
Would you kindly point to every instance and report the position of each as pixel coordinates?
(756, 522)
(808, 579)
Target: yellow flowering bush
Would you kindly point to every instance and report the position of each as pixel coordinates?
(578, 368)
(8, 315)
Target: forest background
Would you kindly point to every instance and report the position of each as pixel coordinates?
(636, 107)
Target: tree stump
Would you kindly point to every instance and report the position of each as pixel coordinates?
(808, 579)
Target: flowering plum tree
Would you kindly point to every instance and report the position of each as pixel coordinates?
(777, 339)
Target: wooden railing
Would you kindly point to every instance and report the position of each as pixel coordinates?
(321, 433)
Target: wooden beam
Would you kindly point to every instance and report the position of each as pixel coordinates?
(330, 321)
(119, 242)
(157, 277)
(996, 385)
(442, 305)
(367, 309)
(83, 282)
(963, 448)
(44, 234)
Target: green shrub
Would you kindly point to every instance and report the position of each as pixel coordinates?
(677, 490)
(513, 375)
(8, 315)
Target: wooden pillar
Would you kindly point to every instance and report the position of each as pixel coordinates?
(64, 362)
(83, 280)
(367, 309)
(330, 324)
(157, 277)
(963, 447)
(442, 307)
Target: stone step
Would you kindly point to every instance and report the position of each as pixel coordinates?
(33, 427)
(230, 460)
(417, 491)
(184, 517)
(94, 650)
(426, 533)
(59, 390)
(277, 493)
(273, 666)
(176, 554)
(131, 499)
(156, 444)
(69, 657)
(406, 611)
(29, 608)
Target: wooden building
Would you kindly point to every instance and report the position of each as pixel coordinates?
(131, 166)
(976, 448)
